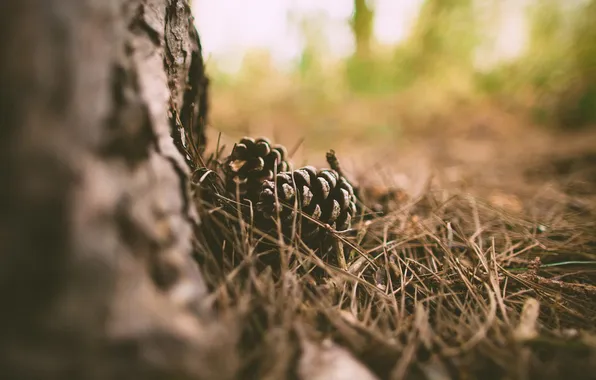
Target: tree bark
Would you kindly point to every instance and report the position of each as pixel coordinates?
(96, 222)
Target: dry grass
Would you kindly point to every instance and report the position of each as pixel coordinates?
(442, 286)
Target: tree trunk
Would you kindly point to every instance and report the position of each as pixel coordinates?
(362, 27)
(96, 223)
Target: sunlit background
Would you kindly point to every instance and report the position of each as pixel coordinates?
(231, 28)
(372, 76)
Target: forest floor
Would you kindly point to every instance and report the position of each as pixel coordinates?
(487, 269)
(497, 155)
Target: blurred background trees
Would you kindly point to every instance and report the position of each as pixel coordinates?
(535, 59)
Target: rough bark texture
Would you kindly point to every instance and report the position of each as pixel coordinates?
(96, 275)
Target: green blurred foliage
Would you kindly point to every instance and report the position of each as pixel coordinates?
(584, 55)
(445, 37)
(553, 80)
(441, 45)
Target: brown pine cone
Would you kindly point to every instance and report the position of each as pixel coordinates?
(322, 195)
(252, 162)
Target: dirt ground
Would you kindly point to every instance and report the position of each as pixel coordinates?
(496, 155)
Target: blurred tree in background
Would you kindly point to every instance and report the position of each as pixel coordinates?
(438, 66)
(554, 78)
(444, 37)
(583, 86)
(361, 66)
(362, 27)
(441, 44)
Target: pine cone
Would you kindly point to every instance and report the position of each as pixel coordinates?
(252, 162)
(324, 196)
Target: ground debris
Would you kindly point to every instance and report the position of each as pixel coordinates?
(328, 361)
